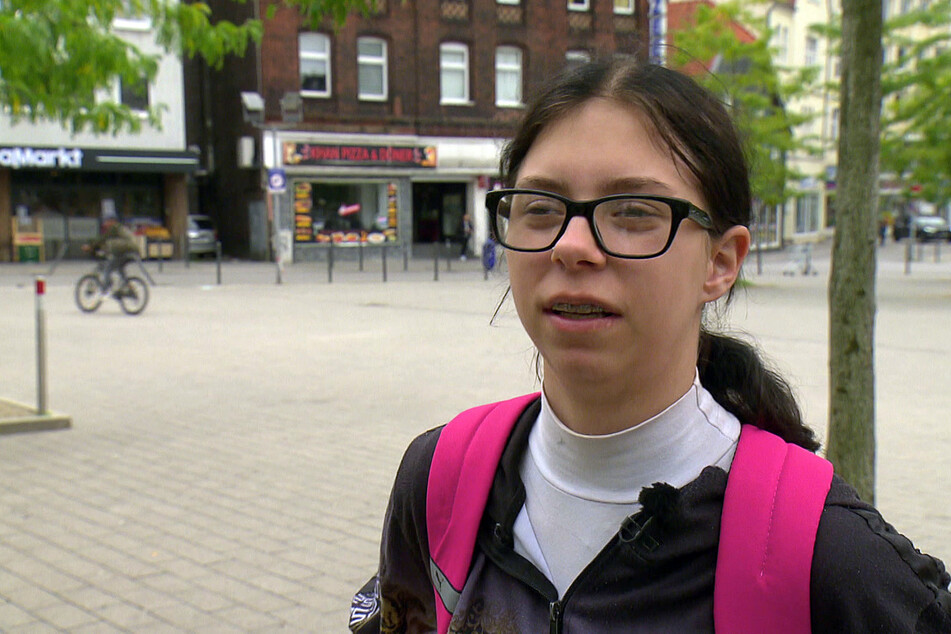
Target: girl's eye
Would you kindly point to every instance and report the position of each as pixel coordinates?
(542, 207)
(636, 209)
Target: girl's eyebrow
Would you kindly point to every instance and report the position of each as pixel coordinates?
(541, 182)
(628, 185)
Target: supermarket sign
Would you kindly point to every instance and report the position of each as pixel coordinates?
(96, 159)
(42, 158)
(359, 155)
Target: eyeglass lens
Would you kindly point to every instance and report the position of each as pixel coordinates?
(626, 226)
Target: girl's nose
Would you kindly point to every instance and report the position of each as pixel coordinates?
(577, 246)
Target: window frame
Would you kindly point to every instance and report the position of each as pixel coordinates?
(811, 51)
(128, 20)
(517, 70)
(579, 5)
(382, 62)
(624, 10)
(454, 47)
(325, 56)
(117, 95)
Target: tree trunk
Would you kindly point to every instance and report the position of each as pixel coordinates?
(851, 438)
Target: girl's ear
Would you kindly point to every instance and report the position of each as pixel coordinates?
(727, 253)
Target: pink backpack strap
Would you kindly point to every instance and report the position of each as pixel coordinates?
(773, 502)
(464, 464)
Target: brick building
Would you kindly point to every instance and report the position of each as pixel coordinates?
(389, 127)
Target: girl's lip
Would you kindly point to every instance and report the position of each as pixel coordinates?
(587, 304)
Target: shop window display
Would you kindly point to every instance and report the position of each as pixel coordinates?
(344, 214)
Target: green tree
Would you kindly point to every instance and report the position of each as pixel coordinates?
(916, 98)
(58, 58)
(851, 437)
(744, 73)
(56, 55)
(916, 89)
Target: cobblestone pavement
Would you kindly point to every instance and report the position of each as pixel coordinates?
(232, 448)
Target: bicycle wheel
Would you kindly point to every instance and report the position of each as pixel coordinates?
(133, 296)
(88, 293)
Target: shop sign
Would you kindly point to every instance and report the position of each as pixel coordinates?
(97, 160)
(359, 155)
(29, 157)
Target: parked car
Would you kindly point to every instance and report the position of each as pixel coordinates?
(202, 235)
(926, 228)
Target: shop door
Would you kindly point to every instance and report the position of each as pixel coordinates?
(438, 209)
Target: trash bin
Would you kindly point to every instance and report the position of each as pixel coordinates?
(28, 253)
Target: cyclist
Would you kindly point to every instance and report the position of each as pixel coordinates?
(117, 246)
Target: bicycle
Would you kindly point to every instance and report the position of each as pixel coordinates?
(131, 292)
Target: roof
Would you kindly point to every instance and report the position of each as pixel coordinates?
(681, 15)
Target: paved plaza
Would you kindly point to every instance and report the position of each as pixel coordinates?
(232, 448)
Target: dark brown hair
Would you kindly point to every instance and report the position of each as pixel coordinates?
(700, 134)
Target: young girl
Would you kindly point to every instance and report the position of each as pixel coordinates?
(627, 214)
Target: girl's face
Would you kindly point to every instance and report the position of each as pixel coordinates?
(643, 334)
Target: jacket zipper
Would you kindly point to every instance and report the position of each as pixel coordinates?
(555, 614)
(631, 531)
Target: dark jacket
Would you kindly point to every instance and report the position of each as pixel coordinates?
(656, 574)
(117, 241)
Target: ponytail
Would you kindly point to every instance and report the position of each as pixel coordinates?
(733, 372)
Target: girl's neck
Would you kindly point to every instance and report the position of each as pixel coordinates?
(595, 407)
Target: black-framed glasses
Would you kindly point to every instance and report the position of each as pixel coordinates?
(624, 225)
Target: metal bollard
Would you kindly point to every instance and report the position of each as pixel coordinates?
(435, 261)
(360, 246)
(185, 251)
(218, 260)
(330, 263)
(908, 248)
(448, 256)
(40, 346)
(383, 254)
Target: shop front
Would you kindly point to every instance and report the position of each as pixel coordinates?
(58, 197)
(373, 191)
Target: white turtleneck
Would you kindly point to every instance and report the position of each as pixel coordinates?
(580, 488)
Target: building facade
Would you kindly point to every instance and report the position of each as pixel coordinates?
(388, 129)
(56, 187)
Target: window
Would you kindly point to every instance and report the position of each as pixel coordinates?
(579, 5)
(812, 51)
(453, 73)
(508, 76)
(625, 7)
(574, 59)
(134, 94)
(129, 16)
(508, 1)
(807, 213)
(809, 115)
(781, 41)
(314, 49)
(371, 68)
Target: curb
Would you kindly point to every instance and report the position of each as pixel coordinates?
(16, 418)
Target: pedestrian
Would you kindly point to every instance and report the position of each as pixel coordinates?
(625, 217)
(466, 235)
